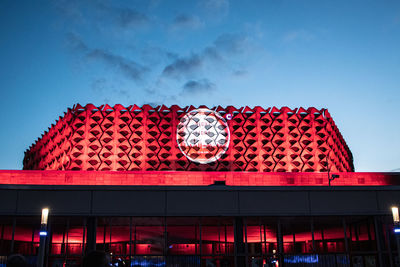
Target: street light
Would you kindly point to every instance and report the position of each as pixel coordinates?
(45, 217)
(396, 224)
(396, 218)
(43, 234)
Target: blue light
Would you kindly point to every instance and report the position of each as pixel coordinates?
(153, 262)
(42, 233)
(301, 259)
(397, 230)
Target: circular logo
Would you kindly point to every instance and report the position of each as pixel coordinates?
(203, 136)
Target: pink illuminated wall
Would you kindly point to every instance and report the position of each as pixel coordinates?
(144, 138)
(188, 178)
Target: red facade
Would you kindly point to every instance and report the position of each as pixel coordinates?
(145, 139)
(189, 178)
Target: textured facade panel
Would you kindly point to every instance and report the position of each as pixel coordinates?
(191, 178)
(145, 139)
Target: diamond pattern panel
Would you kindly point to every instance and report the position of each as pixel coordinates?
(144, 138)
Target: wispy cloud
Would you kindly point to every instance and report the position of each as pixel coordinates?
(240, 73)
(224, 46)
(126, 66)
(182, 66)
(100, 14)
(99, 85)
(150, 64)
(184, 21)
(124, 17)
(216, 7)
(231, 43)
(196, 87)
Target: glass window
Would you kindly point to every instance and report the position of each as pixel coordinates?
(183, 236)
(26, 236)
(120, 236)
(361, 233)
(75, 236)
(269, 230)
(389, 244)
(6, 229)
(217, 235)
(103, 234)
(148, 235)
(296, 235)
(208, 240)
(58, 236)
(67, 235)
(254, 235)
(261, 235)
(329, 234)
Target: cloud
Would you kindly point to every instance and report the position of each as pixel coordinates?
(123, 17)
(231, 43)
(127, 67)
(217, 7)
(155, 55)
(99, 85)
(103, 87)
(212, 52)
(224, 46)
(183, 65)
(298, 35)
(76, 43)
(184, 21)
(216, 4)
(100, 14)
(240, 73)
(130, 68)
(194, 87)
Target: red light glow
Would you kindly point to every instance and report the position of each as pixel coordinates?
(144, 138)
(189, 178)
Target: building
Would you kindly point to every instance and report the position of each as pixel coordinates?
(199, 187)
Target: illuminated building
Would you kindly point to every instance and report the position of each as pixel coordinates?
(199, 187)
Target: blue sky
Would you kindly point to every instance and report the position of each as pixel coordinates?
(341, 55)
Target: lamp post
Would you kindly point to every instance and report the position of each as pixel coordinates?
(396, 224)
(332, 177)
(43, 235)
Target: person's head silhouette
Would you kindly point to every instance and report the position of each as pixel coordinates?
(96, 259)
(16, 260)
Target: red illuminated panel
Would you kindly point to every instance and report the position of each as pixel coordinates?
(186, 178)
(181, 249)
(255, 234)
(144, 138)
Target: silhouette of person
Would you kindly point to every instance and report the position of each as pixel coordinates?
(16, 260)
(96, 259)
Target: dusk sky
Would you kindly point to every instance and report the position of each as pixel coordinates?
(339, 55)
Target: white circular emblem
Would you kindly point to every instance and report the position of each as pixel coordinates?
(203, 135)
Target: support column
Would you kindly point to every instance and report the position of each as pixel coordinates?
(378, 238)
(240, 255)
(91, 234)
(280, 243)
(40, 258)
